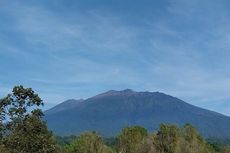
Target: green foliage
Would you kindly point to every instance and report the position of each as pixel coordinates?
(220, 145)
(30, 135)
(63, 141)
(88, 142)
(167, 138)
(131, 138)
(112, 142)
(22, 128)
(149, 144)
(136, 139)
(192, 142)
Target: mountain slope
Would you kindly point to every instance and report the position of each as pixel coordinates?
(109, 112)
(66, 105)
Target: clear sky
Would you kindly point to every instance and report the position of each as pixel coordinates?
(78, 48)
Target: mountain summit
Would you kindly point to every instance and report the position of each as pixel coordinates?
(109, 112)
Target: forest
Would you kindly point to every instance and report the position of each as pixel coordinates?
(22, 130)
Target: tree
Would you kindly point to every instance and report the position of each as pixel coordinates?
(149, 144)
(131, 139)
(192, 142)
(22, 128)
(167, 139)
(88, 142)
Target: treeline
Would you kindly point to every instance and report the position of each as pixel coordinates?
(136, 139)
(22, 130)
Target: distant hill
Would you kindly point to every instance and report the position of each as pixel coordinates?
(109, 112)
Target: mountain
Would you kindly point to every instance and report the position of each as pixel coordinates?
(109, 112)
(66, 105)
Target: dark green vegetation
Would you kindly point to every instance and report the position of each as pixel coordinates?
(136, 139)
(22, 130)
(127, 108)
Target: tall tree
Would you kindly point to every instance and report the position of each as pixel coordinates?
(131, 139)
(22, 128)
(192, 142)
(88, 142)
(167, 139)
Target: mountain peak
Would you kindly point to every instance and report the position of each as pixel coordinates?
(108, 112)
(128, 91)
(121, 91)
(125, 92)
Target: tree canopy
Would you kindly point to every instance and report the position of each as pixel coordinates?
(22, 127)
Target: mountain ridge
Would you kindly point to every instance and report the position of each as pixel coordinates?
(110, 111)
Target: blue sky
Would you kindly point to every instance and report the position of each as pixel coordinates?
(78, 48)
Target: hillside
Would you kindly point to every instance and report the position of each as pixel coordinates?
(109, 112)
